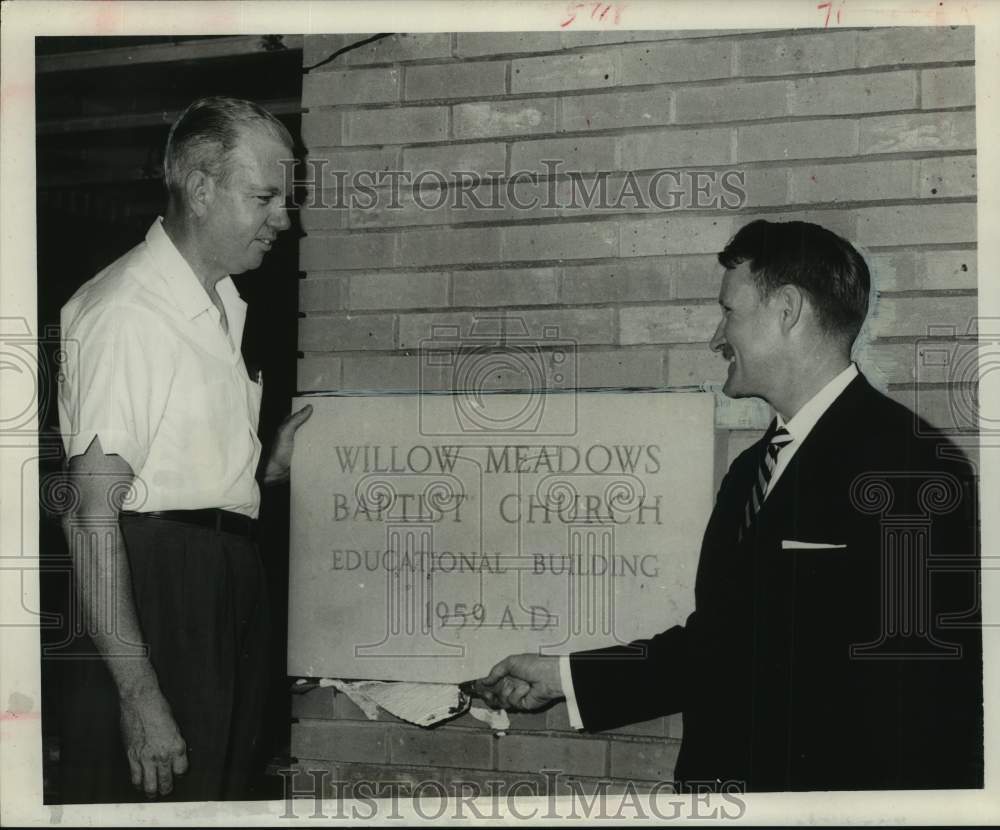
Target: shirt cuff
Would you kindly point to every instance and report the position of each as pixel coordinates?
(566, 678)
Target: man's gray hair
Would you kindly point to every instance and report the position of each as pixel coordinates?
(206, 134)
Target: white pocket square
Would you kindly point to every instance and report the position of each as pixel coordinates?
(792, 544)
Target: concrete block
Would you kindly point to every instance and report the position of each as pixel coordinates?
(479, 44)
(505, 287)
(674, 147)
(949, 176)
(397, 48)
(578, 240)
(504, 118)
(916, 315)
(619, 368)
(340, 251)
(316, 374)
(668, 323)
(455, 246)
(456, 80)
(651, 63)
(466, 158)
(402, 291)
(906, 133)
(441, 747)
(582, 153)
(339, 741)
(583, 326)
(675, 234)
(397, 125)
(574, 756)
(634, 280)
(652, 761)
(319, 294)
(846, 94)
(345, 332)
(550, 73)
(796, 54)
(921, 270)
(351, 86)
(617, 109)
(917, 224)
(687, 365)
(909, 45)
(731, 102)
(852, 182)
(948, 86)
(323, 128)
(797, 140)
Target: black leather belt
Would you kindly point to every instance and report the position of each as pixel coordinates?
(213, 518)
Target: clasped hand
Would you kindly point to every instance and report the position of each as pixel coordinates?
(522, 681)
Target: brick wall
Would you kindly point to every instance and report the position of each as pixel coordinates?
(868, 132)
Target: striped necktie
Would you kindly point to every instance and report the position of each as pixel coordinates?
(780, 438)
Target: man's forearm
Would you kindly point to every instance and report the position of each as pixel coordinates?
(102, 582)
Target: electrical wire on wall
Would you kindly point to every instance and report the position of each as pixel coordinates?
(347, 48)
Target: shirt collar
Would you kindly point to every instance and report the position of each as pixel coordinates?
(801, 424)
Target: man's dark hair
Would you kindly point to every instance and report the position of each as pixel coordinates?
(205, 135)
(825, 266)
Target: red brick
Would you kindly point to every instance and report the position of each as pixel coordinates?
(338, 251)
(344, 332)
(845, 94)
(617, 109)
(316, 374)
(852, 182)
(403, 291)
(474, 158)
(675, 235)
(578, 240)
(917, 224)
(351, 86)
(688, 365)
(915, 315)
(674, 147)
(506, 118)
(456, 80)
(574, 756)
(731, 102)
(478, 44)
(796, 54)
(444, 747)
(620, 281)
(916, 270)
(930, 131)
(396, 125)
(797, 140)
(582, 325)
(583, 153)
(318, 294)
(506, 287)
(890, 46)
(393, 49)
(950, 176)
(949, 86)
(550, 73)
(668, 323)
(339, 741)
(652, 63)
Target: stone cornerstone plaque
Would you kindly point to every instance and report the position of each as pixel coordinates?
(429, 540)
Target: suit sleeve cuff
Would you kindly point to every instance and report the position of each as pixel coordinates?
(566, 678)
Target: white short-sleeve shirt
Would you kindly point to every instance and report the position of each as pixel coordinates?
(153, 375)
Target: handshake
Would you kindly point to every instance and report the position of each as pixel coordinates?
(521, 681)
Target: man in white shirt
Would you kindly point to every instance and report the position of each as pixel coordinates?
(159, 421)
(836, 637)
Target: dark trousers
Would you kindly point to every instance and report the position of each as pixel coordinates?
(201, 600)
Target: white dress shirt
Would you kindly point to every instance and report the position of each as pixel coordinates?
(799, 426)
(152, 374)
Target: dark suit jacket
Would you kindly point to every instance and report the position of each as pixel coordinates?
(850, 668)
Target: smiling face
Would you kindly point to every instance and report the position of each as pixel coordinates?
(748, 336)
(248, 211)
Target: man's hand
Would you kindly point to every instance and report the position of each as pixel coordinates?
(154, 746)
(522, 681)
(279, 463)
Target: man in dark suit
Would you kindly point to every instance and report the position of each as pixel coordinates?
(836, 638)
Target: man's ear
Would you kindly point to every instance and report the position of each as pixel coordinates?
(199, 191)
(790, 300)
